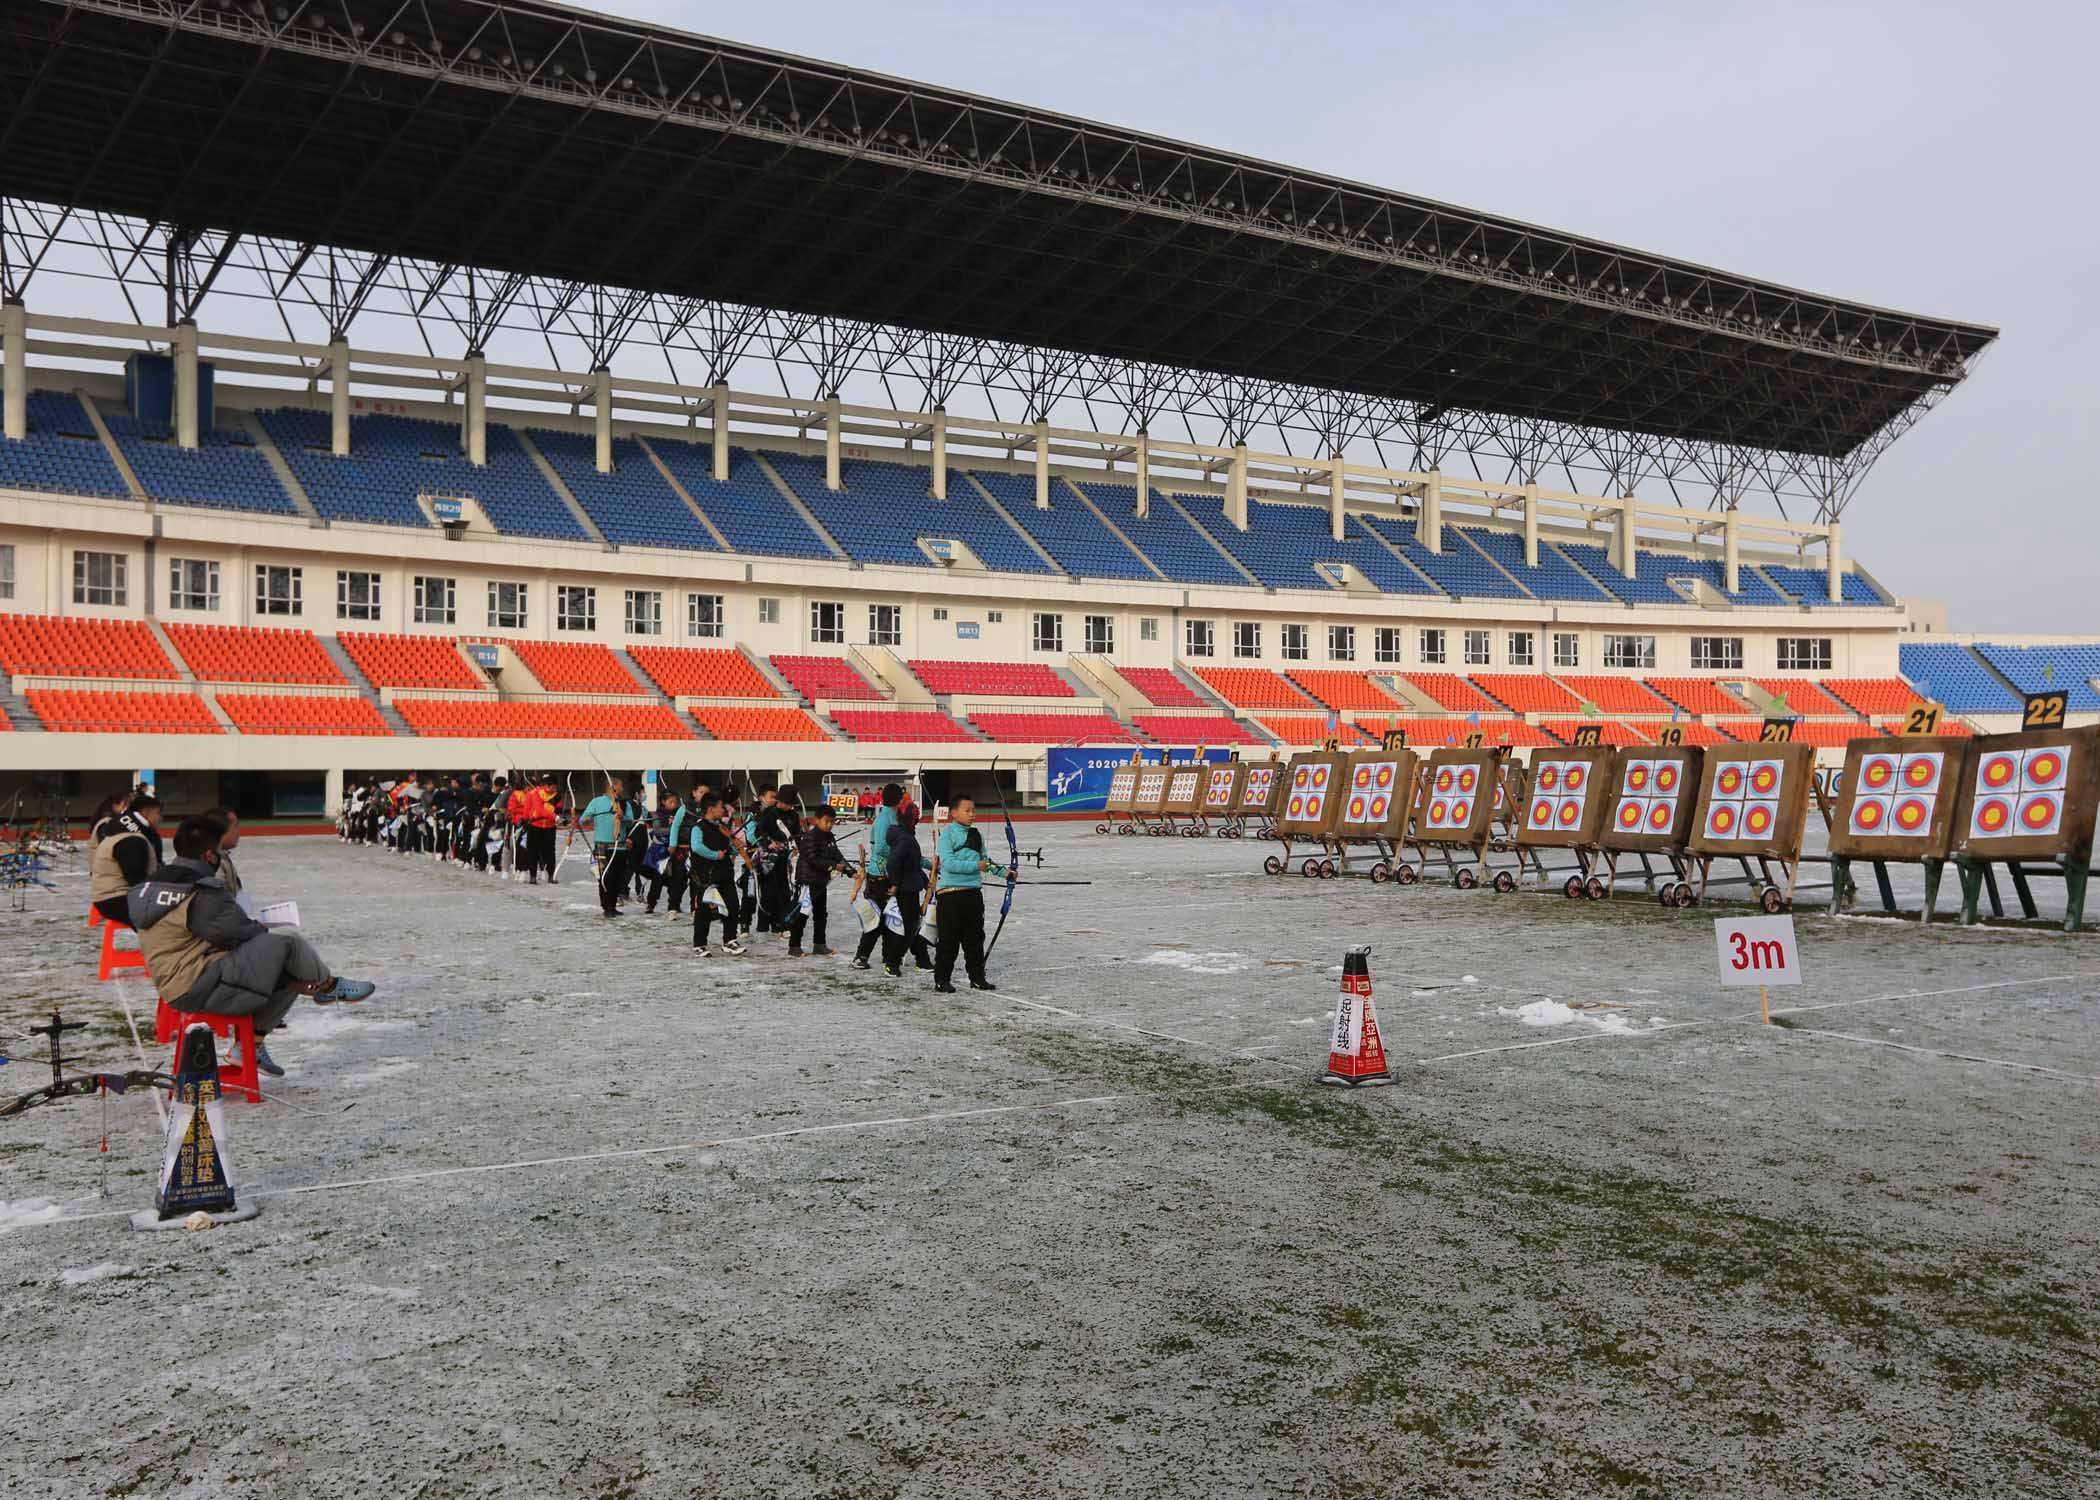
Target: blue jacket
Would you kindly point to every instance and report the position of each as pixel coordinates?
(879, 842)
(962, 868)
(906, 865)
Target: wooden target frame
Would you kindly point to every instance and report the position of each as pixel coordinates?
(1151, 791)
(1377, 794)
(1221, 796)
(1896, 799)
(2070, 792)
(1261, 790)
(1312, 795)
(1122, 795)
(1456, 805)
(1565, 797)
(1740, 814)
(1665, 780)
(1184, 794)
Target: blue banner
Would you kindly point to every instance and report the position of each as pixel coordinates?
(1078, 779)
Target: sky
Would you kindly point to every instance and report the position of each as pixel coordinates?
(1936, 158)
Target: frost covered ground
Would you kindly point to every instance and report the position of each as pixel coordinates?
(605, 1220)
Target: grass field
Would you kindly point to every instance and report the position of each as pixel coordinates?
(607, 1220)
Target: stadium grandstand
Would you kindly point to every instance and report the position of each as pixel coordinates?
(441, 503)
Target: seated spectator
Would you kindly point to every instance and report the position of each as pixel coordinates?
(205, 954)
(128, 852)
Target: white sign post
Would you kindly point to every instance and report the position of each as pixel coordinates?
(1759, 951)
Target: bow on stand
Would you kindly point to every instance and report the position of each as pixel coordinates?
(62, 1087)
(1014, 856)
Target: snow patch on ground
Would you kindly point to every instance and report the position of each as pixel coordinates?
(1199, 963)
(26, 1211)
(109, 1270)
(391, 1067)
(1553, 1013)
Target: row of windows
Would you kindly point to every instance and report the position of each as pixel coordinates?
(193, 584)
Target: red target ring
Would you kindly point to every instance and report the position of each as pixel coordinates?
(1461, 812)
(1724, 821)
(1438, 809)
(1636, 778)
(1570, 812)
(1867, 816)
(1999, 771)
(1758, 821)
(2039, 813)
(2044, 768)
(1728, 782)
(1542, 812)
(1629, 814)
(1575, 778)
(1466, 778)
(1877, 773)
(1764, 779)
(1444, 779)
(1356, 809)
(1919, 773)
(1549, 777)
(1993, 814)
(1363, 775)
(1385, 775)
(1666, 777)
(1913, 813)
(1660, 816)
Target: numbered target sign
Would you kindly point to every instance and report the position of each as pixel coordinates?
(2030, 794)
(1652, 799)
(1895, 797)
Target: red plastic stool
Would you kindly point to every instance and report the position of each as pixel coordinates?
(95, 917)
(117, 960)
(243, 1078)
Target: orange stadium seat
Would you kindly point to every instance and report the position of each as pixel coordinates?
(1253, 687)
(1053, 729)
(575, 667)
(817, 677)
(906, 726)
(410, 661)
(1803, 697)
(279, 713)
(1614, 695)
(991, 679)
(102, 711)
(1194, 729)
(1452, 729)
(1824, 734)
(1310, 729)
(1615, 731)
(1697, 695)
(1527, 692)
(46, 645)
(698, 672)
(731, 722)
(1162, 689)
(1872, 695)
(249, 653)
(1344, 690)
(1451, 691)
(484, 718)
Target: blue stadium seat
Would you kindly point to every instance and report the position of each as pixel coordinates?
(632, 506)
(1068, 530)
(747, 508)
(1642, 588)
(394, 459)
(2042, 669)
(62, 452)
(1458, 570)
(1554, 578)
(1952, 675)
(1810, 586)
(1175, 547)
(225, 471)
(1661, 567)
(884, 510)
(1283, 543)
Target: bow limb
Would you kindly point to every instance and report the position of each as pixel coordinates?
(1013, 860)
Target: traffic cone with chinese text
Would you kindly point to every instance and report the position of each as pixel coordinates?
(196, 1179)
(1356, 1053)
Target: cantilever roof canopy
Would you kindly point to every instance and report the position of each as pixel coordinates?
(524, 137)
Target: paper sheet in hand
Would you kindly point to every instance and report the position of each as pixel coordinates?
(279, 914)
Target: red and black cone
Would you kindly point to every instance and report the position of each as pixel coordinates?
(1356, 1052)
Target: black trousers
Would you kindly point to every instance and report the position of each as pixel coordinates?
(819, 910)
(612, 875)
(774, 894)
(877, 889)
(539, 852)
(669, 876)
(715, 874)
(959, 923)
(894, 944)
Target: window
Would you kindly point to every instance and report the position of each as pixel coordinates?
(7, 571)
(939, 615)
(1717, 653)
(997, 617)
(1202, 638)
(357, 596)
(507, 606)
(1801, 653)
(1148, 629)
(575, 607)
(435, 602)
(704, 616)
(885, 625)
(1297, 643)
(1476, 648)
(98, 578)
(1100, 634)
(1385, 645)
(193, 583)
(1567, 649)
(1047, 632)
(1341, 642)
(1246, 638)
(827, 622)
(1522, 652)
(645, 612)
(769, 611)
(1432, 643)
(1629, 651)
(278, 589)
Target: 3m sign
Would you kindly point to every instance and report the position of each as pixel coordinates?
(1757, 951)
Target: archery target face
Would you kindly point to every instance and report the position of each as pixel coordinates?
(1309, 787)
(2020, 793)
(1371, 791)
(1649, 791)
(1745, 801)
(1181, 787)
(1559, 793)
(1897, 793)
(1260, 781)
(1151, 786)
(1217, 793)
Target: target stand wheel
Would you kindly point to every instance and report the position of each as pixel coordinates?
(1771, 901)
(1684, 898)
(1504, 882)
(1310, 869)
(1572, 888)
(1272, 865)
(1595, 888)
(1466, 880)
(1101, 828)
(1381, 873)
(1329, 869)
(1407, 875)
(1666, 893)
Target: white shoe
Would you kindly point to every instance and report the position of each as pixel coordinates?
(701, 950)
(734, 947)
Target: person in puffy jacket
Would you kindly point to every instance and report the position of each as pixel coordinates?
(907, 869)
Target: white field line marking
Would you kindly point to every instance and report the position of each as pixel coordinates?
(1599, 1036)
(681, 1148)
(1968, 1057)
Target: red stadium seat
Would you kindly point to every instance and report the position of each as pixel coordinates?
(899, 726)
(1195, 729)
(730, 722)
(1310, 729)
(1162, 689)
(834, 677)
(1803, 697)
(248, 653)
(49, 646)
(1614, 695)
(1613, 731)
(1053, 729)
(1873, 695)
(575, 667)
(696, 672)
(486, 718)
(1253, 687)
(276, 713)
(103, 711)
(1697, 695)
(410, 661)
(991, 679)
(1450, 691)
(1527, 692)
(1344, 690)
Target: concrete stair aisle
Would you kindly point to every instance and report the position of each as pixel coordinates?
(357, 679)
(657, 694)
(795, 502)
(20, 716)
(267, 447)
(560, 487)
